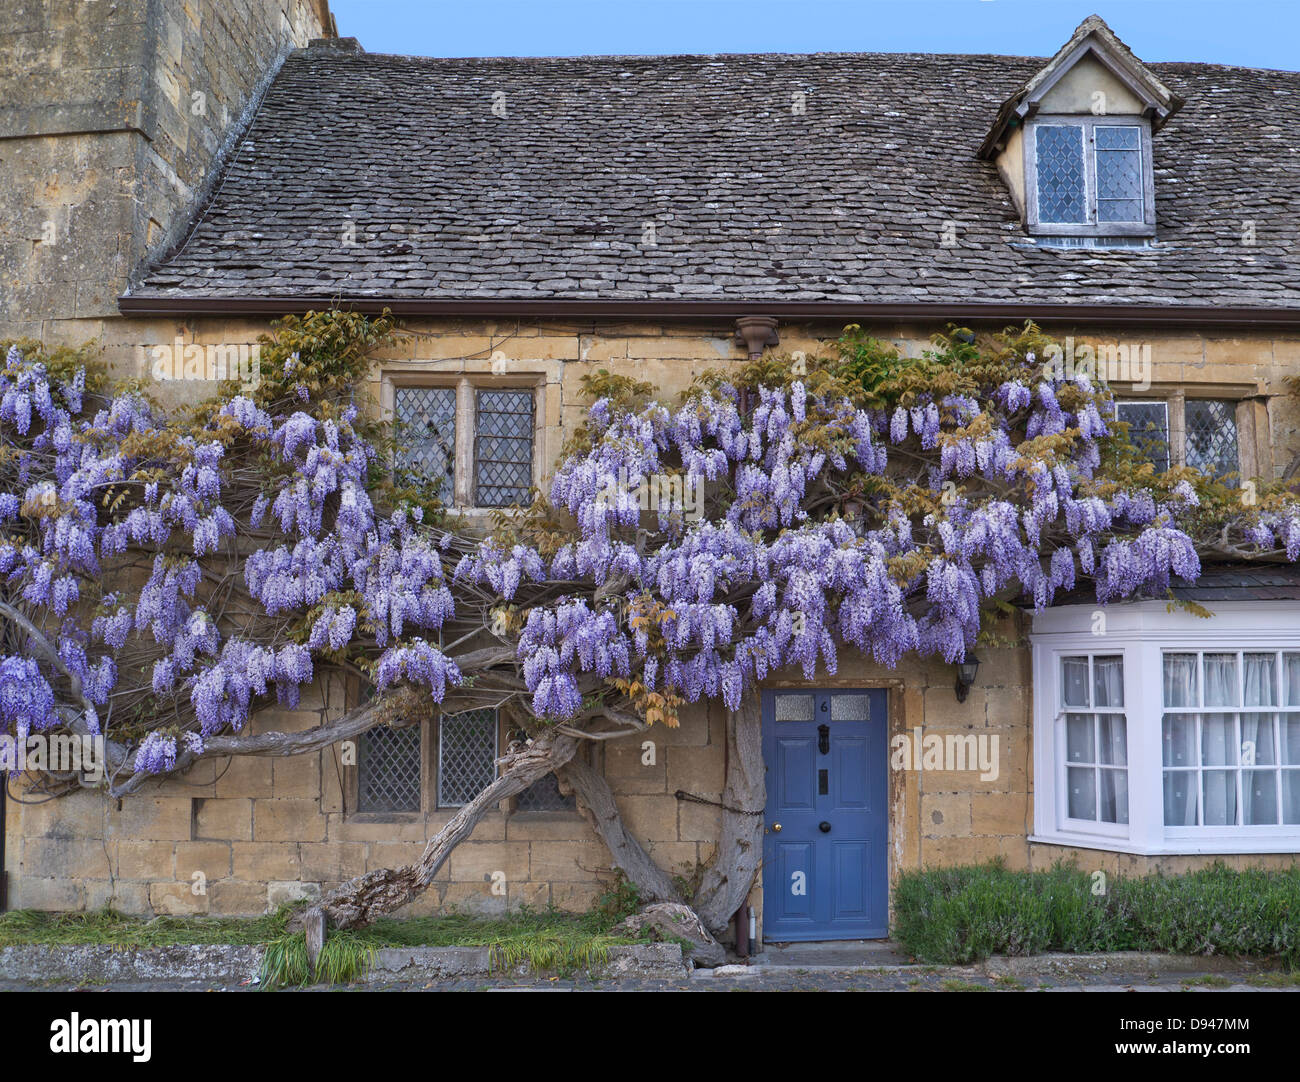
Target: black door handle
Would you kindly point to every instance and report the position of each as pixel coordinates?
(825, 827)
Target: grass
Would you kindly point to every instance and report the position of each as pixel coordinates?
(543, 939)
(1274, 980)
(1211, 980)
(956, 916)
(952, 985)
(108, 928)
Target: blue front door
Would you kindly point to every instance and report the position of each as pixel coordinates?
(825, 869)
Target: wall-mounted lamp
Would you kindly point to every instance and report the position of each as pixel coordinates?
(967, 669)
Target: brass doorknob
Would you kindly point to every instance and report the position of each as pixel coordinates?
(776, 828)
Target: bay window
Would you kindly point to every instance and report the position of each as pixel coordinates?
(1159, 731)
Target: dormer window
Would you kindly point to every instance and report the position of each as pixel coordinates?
(1088, 176)
(1073, 145)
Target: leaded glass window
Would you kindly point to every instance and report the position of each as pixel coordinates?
(426, 419)
(1089, 177)
(1061, 174)
(503, 450)
(388, 770)
(467, 753)
(1148, 429)
(544, 795)
(1119, 174)
(1212, 436)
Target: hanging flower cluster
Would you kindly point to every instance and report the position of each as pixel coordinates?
(258, 556)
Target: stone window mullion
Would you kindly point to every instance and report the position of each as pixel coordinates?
(1177, 429)
(465, 426)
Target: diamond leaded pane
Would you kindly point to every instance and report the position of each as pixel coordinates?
(467, 752)
(544, 795)
(1119, 174)
(388, 770)
(1060, 173)
(427, 434)
(1212, 436)
(503, 453)
(1148, 430)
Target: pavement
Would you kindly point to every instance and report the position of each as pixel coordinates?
(924, 980)
(868, 966)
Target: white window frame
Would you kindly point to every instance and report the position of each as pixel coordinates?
(1085, 826)
(1091, 227)
(1282, 830)
(1142, 632)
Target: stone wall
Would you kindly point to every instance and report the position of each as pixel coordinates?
(235, 837)
(112, 116)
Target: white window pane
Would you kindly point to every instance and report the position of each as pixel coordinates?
(1291, 796)
(1112, 740)
(1257, 746)
(1291, 676)
(1259, 675)
(1221, 687)
(794, 708)
(1078, 738)
(1074, 681)
(1180, 680)
(1291, 740)
(1114, 796)
(1179, 740)
(1059, 161)
(1081, 792)
(1259, 797)
(1108, 681)
(1218, 740)
(1220, 797)
(1180, 798)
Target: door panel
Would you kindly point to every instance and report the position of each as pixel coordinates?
(825, 869)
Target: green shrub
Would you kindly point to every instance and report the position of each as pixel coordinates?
(961, 915)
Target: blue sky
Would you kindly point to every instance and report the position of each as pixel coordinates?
(1255, 33)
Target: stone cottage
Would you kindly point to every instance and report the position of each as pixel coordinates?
(533, 220)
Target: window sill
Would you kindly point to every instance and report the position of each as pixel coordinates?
(385, 817)
(1175, 848)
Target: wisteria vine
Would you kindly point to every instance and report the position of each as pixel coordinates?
(167, 579)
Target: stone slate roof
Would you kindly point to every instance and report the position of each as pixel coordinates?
(1218, 582)
(750, 202)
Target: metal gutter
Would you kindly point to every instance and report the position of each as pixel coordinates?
(1181, 316)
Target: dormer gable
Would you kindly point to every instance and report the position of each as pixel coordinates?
(1073, 145)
